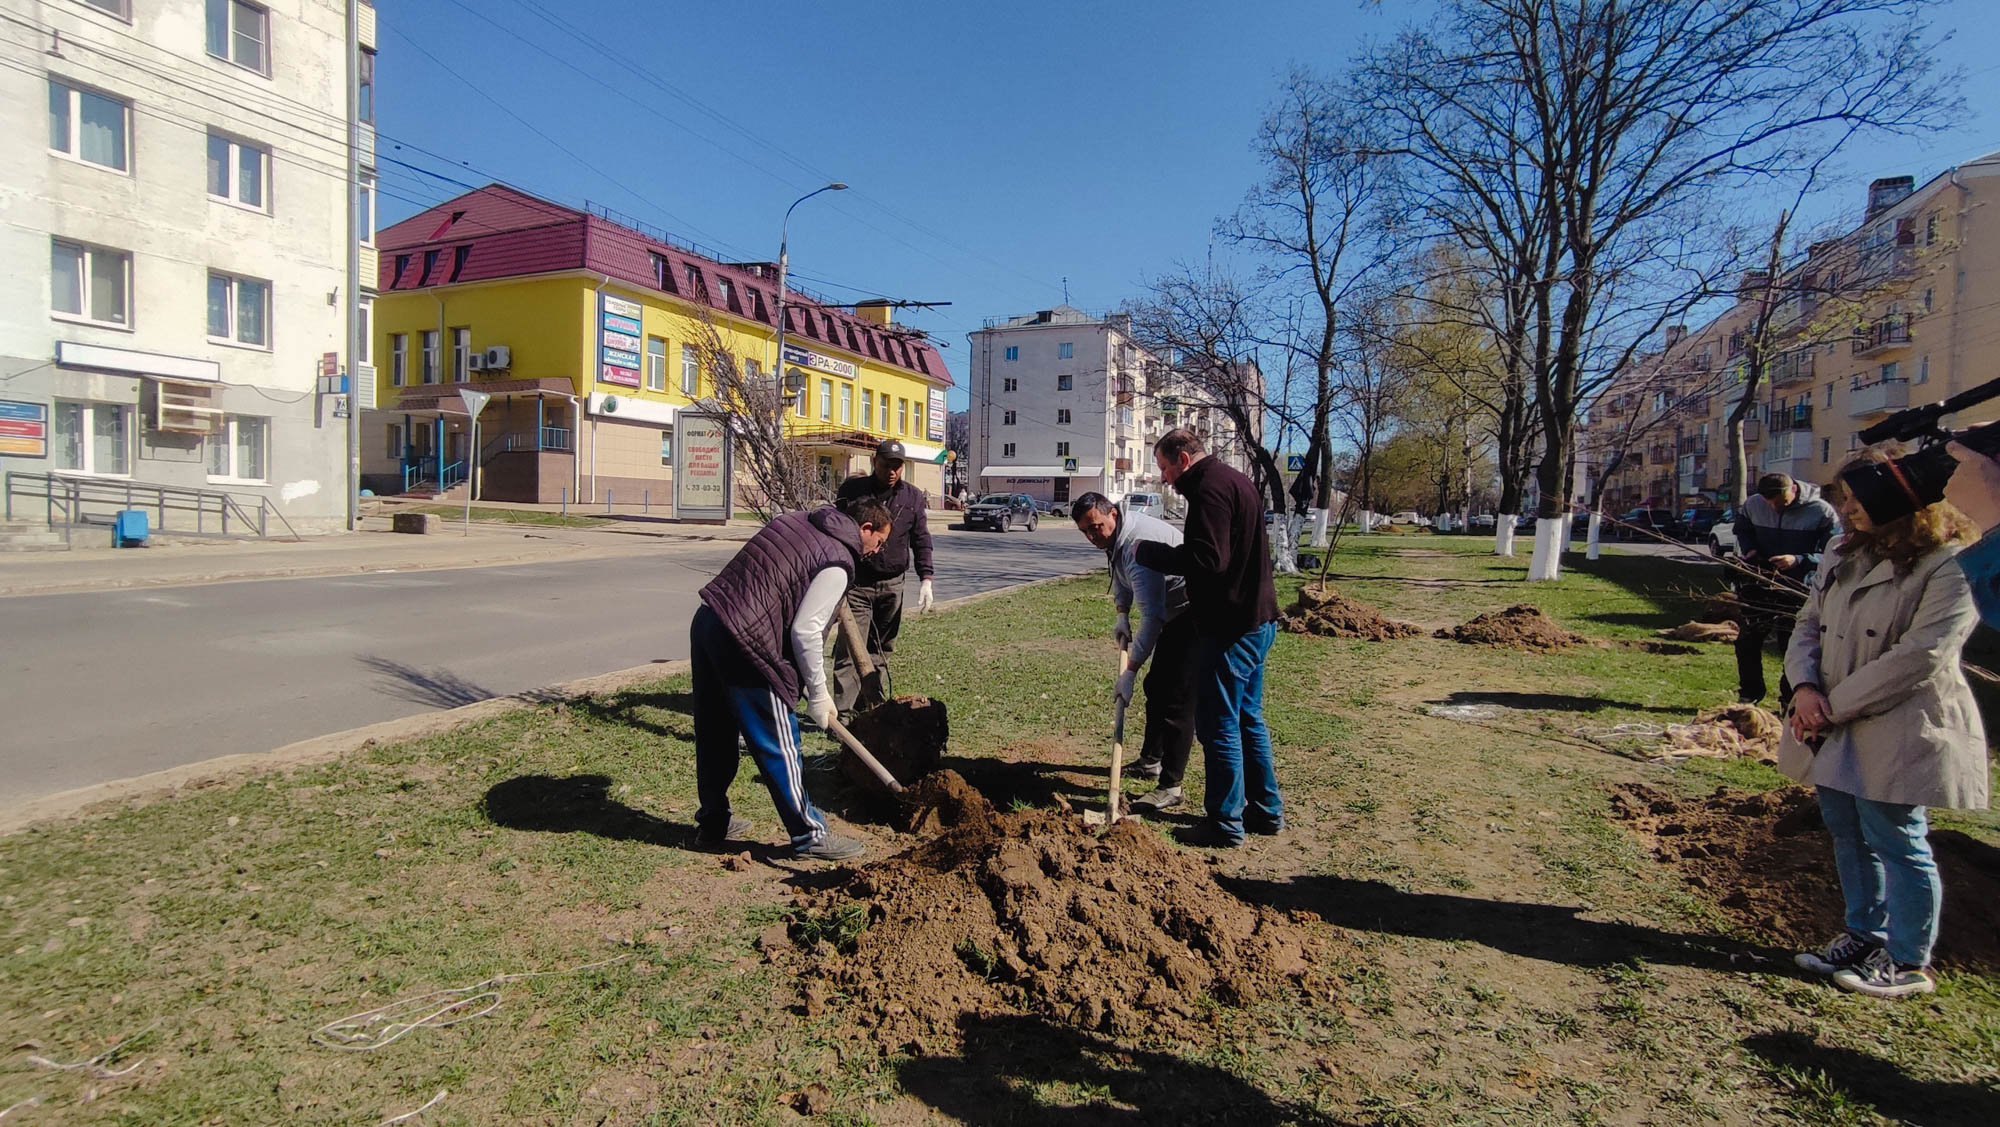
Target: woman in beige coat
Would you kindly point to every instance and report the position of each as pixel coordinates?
(1884, 725)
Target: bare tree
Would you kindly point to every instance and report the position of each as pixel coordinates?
(781, 476)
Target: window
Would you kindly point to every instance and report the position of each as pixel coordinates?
(430, 357)
(656, 364)
(1924, 369)
(90, 283)
(89, 126)
(239, 310)
(1010, 384)
(695, 288)
(1062, 449)
(1062, 417)
(460, 255)
(240, 33)
(826, 401)
(365, 313)
(402, 268)
(666, 448)
(120, 8)
(1013, 352)
(364, 213)
(1829, 395)
(1825, 450)
(690, 370)
(236, 452)
(847, 404)
(237, 171)
(1928, 296)
(868, 410)
(399, 359)
(903, 416)
(94, 437)
(1930, 229)
(1006, 450)
(1854, 440)
(728, 293)
(1065, 383)
(1066, 351)
(1888, 374)
(367, 80)
(431, 258)
(1007, 419)
(392, 443)
(461, 354)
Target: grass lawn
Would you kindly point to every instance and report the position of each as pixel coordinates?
(1509, 955)
(490, 515)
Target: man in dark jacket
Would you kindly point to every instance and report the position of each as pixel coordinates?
(877, 595)
(1227, 562)
(758, 643)
(1781, 535)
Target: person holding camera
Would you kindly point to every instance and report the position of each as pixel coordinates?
(1974, 489)
(1780, 535)
(1884, 725)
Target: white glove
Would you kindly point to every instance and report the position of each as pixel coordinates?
(925, 597)
(820, 708)
(1122, 633)
(1122, 692)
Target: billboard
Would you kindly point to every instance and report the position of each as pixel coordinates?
(703, 489)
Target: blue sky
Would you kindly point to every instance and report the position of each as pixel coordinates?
(993, 150)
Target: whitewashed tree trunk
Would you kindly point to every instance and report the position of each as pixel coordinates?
(1596, 534)
(1284, 557)
(1546, 564)
(1562, 537)
(1365, 521)
(1503, 535)
(1321, 517)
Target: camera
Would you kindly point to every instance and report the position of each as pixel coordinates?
(1892, 490)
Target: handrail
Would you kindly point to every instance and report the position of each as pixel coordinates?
(69, 497)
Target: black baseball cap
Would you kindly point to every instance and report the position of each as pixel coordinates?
(890, 448)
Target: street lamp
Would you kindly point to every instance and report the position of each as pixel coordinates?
(778, 369)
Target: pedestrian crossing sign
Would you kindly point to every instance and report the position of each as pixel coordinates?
(1069, 465)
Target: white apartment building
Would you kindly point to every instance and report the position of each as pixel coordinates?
(177, 240)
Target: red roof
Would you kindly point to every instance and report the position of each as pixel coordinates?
(502, 232)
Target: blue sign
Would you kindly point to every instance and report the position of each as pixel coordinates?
(621, 358)
(1295, 462)
(627, 325)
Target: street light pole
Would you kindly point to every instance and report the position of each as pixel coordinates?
(778, 369)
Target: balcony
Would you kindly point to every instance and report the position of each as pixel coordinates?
(1878, 398)
(1791, 368)
(1694, 444)
(1694, 482)
(1799, 418)
(1882, 336)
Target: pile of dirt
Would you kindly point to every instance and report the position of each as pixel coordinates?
(1703, 631)
(1519, 627)
(1330, 614)
(1029, 912)
(1765, 859)
(1733, 731)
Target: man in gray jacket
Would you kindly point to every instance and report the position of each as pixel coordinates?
(1166, 635)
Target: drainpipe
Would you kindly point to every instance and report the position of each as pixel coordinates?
(576, 466)
(588, 364)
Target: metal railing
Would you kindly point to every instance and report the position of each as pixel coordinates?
(557, 439)
(81, 502)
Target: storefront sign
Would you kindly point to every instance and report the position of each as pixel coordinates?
(624, 342)
(703, 489)
(24, 429)
(618, 324)
(807, 358)
(936, 430)
(617, 339)
(615, 374)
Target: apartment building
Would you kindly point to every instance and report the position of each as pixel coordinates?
(1896, 312)
(179, 241)
(592, 332)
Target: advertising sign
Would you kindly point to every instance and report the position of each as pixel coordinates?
(618, 340)
(818, 362)
(703, 489)
(937, 415)
(24, 429)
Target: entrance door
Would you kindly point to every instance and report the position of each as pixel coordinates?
(1061, 490)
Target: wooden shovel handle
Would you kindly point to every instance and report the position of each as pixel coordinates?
(1117, 747)
(857, 646)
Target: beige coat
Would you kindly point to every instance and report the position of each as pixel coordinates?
(1885, 648)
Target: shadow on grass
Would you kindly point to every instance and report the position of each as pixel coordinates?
(1551, 702)
(576, 804)
(625, 708)
(1552, 932)
(1026, 1070)
(1421, 581)
(1802, 1063)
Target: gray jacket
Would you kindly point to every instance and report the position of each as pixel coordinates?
(1765, 531)
(1885, 649)
(1161, 598)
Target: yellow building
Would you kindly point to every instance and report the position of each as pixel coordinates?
(591, 336)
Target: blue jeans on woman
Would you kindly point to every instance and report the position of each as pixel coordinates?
(1242, 783)
(1887, 874)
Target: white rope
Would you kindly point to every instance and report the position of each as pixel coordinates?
(31, 1101)
(442, 1093)
(95, 1065)
(385, 1025)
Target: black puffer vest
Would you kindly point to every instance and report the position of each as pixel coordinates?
(758, 593)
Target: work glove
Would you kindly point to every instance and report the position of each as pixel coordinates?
(925, 597)
(1122, 691)
(1122, 633)
(820, 708)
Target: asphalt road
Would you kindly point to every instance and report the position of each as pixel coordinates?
(100, 686)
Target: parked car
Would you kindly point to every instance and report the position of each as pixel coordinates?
(1054, 508)
(1151, 504)
(1695, 523)
(1722, 535)
(1658, 521)
(1002, 511)
(1485, 522)
(1408, 516)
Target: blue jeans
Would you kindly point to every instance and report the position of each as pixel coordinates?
(732, 699)
(1887, 873)
(1242, 782)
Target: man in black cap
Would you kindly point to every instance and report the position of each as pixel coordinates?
(877, 595)
(1781, 535)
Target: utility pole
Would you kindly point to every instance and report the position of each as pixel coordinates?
(353, 265)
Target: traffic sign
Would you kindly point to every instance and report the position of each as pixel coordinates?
(1069, 465)
(1295, 463)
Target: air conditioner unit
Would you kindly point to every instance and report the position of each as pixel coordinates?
(499, 356)
(476, 362)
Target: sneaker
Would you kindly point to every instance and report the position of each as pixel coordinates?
(1880, 976)
(1845, 950)
(830, 848)
(1272, 829)
(1206, 835)
(1165, 798)
(739, 827)
(1144, 769)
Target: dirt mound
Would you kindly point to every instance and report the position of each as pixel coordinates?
(1519, 627)
(1029, 912)
(1766, 860)
(1702, 632)
(907, 734)
(1330, 614)
(1737, 730)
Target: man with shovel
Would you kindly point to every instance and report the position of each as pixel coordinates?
(759, 643)
(1166, 635)
(876, 599)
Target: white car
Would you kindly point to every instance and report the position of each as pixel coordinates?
(1722, 538)
(1151, 504)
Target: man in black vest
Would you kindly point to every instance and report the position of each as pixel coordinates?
(759, 643)
(876, 599)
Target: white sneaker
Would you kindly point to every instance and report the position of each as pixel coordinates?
(1880, 976)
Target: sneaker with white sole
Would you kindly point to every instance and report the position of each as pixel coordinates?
(1144, 769)
(1841, 952)
(1165, 798)
(1880, 976)
(830, 848)
(738, 828)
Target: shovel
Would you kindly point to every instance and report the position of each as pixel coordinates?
(1117, 747)
(874, 691)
